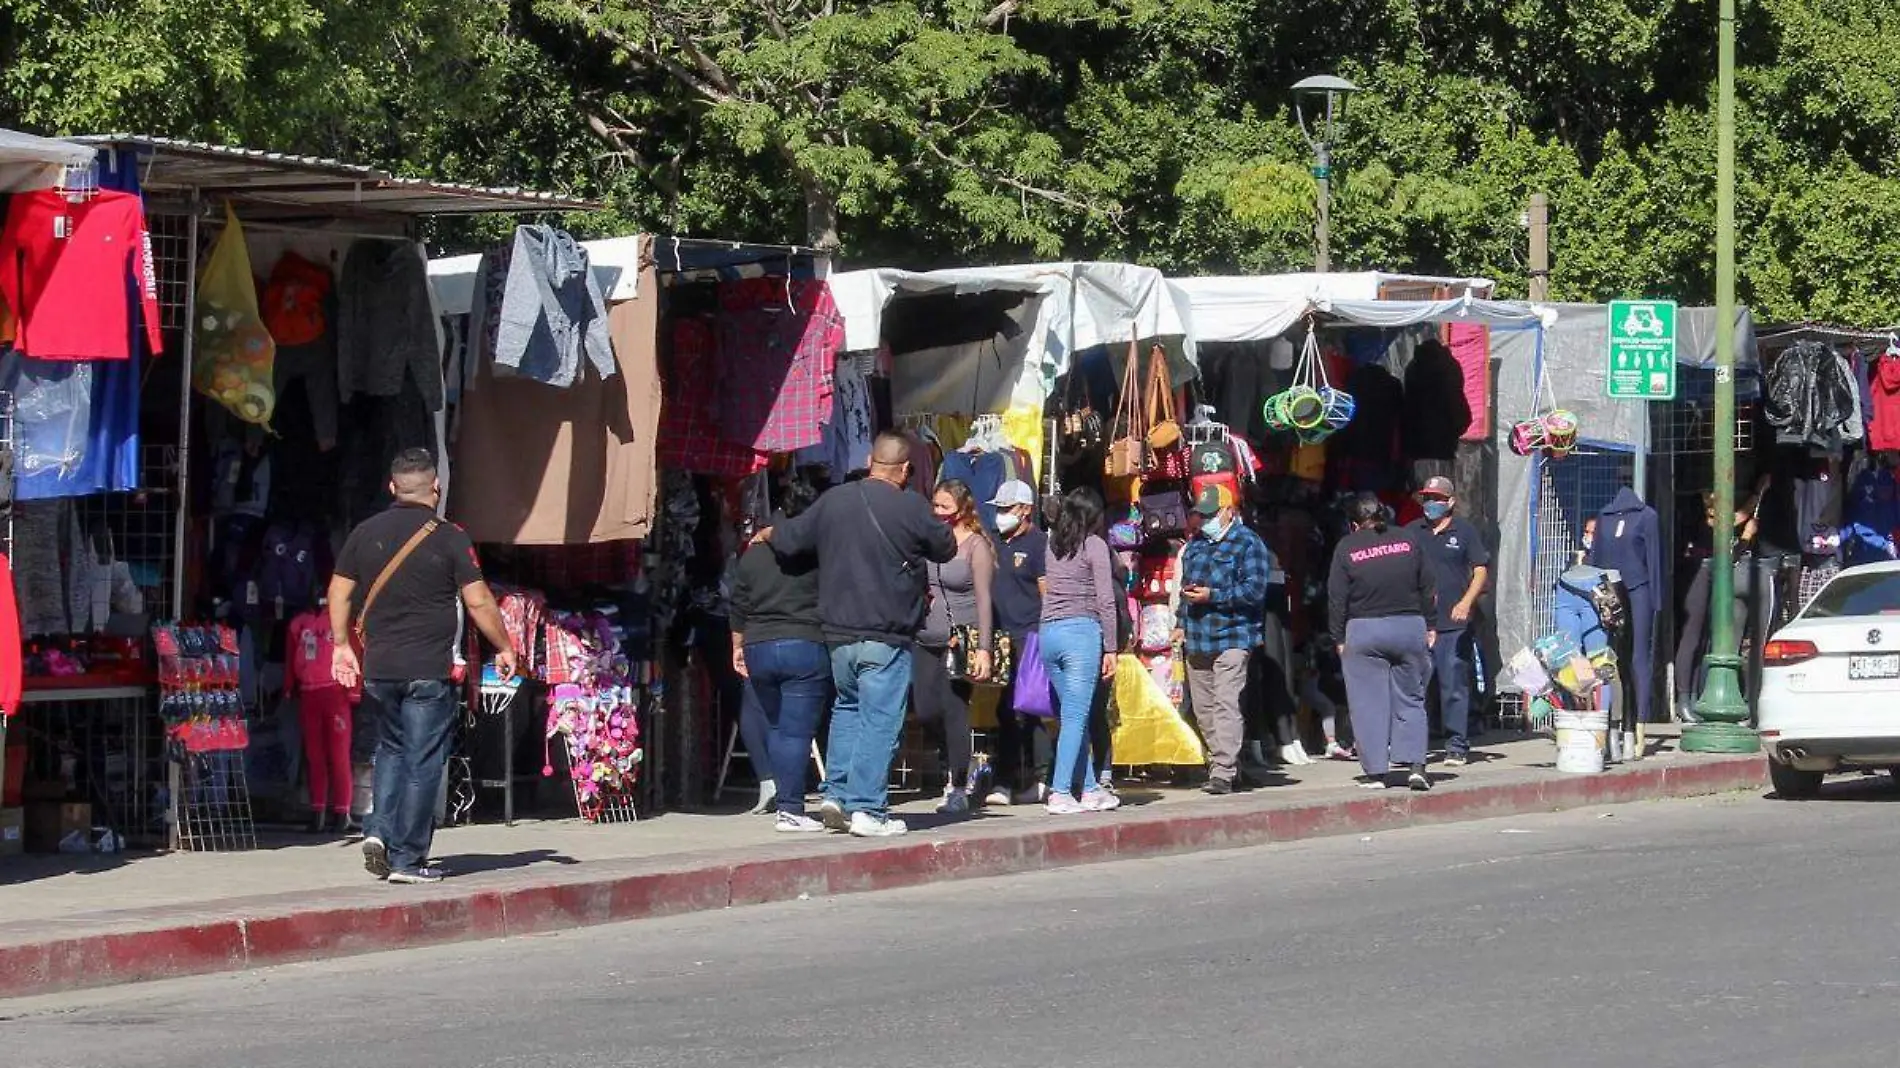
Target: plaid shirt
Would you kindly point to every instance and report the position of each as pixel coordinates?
(1237, 569)
(690, 439)
(775, 362)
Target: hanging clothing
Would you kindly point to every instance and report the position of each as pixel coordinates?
(64, 270)
(385, 329)
(1883, 415)
(851, 430)
(552, 313)
(1366, 450)
(690, 435)
(11, 670)
(1629, 541)
(1237, 380)
(1808, 397)
(777, 343)
(1436, 411)
(299, 308)
(567, 467)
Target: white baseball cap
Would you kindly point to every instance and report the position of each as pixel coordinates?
(1014, 493)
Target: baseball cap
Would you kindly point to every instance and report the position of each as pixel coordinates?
(1213, 499)
(1437, 486)
(1013, 493)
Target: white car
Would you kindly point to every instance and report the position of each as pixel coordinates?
(1830, 691)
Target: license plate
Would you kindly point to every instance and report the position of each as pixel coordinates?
(1878, 666)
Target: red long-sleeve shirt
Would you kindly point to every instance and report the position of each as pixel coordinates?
(63, 271)
(11, 669)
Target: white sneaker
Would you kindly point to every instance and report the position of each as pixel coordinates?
(1294, 754)
(998, 796)
(1100, 801)
(865, 825)
(792, 823)
(1064, 805)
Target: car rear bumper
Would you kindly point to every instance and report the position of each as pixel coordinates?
(1824, 753)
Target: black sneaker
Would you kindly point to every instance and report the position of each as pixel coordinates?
(1218, 787)
(1418, 780)
(376, 857)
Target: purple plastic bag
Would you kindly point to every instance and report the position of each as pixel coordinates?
(1033, 694)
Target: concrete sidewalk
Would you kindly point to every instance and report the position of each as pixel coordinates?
(73, 922)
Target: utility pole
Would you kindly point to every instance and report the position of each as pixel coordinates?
(1539, 217)
(1326, 94)
(1723, 708)
(1322, 228)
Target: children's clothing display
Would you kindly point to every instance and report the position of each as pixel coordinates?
(325, 710)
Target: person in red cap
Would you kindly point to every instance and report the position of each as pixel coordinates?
(1461, 565)
(1225, 571)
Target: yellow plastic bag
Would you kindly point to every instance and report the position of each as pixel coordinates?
(234, 357)
(1148, 730)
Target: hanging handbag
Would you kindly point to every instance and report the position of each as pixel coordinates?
(1032, 695)
(1164, 429)
(1080, 426)
(1155, 630)
(1128, 453)
(1164, 514)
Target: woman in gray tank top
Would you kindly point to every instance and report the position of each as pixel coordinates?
(959, 595)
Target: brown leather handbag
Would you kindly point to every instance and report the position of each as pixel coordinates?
(1164, 428)
(1128, 452)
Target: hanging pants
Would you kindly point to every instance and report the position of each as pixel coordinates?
(1639, 681)
(324, 714)
(1387, 666)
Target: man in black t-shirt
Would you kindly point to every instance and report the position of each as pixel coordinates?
(428, 574)
(1462, 566)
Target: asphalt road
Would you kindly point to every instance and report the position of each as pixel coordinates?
(1731, 931)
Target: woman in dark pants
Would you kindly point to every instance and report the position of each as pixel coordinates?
(780, 651)
(959, 596)
(1380, 600)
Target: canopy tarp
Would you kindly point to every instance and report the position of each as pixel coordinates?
(29, 162)
(1263, 307)
(1080, 306)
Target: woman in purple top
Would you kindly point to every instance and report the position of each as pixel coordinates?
(1078, 633)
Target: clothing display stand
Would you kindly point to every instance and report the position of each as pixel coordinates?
(211, 803)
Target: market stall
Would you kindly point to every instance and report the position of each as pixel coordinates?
(272, 341)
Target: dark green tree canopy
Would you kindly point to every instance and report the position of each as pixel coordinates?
(935, 132)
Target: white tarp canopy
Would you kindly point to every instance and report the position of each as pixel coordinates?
(28, 162)
(1082, 306)
(1263, 307)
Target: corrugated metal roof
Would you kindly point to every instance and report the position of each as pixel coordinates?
(291, 181)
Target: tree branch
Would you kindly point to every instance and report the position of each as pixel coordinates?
(1113, 216)
(999, 15)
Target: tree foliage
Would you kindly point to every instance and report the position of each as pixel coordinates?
(933, 132)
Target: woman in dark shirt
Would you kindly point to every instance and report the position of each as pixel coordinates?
(1381, 598)
(780, 650)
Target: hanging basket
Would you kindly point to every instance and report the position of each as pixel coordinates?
(1311, 408)
(1550, 430)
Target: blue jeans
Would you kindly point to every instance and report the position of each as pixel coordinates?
(867, 721)
(790, 679)
(415, 725)
(1072, 655)
(1451, 674)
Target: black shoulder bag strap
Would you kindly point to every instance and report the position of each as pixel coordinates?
(903, 562)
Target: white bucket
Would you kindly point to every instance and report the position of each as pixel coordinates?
(1581, 737)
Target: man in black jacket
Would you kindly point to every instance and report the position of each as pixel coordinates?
(872, 539)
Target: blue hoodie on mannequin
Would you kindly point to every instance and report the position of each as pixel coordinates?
(1629, 541)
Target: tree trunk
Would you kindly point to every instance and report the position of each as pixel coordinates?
(821, 216)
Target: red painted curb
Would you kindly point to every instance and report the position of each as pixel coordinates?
(250, 942)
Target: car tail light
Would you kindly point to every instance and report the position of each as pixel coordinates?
(1781, 653)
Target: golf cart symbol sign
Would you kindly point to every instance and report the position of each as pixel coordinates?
(1642, 350)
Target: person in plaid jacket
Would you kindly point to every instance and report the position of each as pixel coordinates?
(1224, 575)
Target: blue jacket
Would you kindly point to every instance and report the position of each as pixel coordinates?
(1237, 569)
(1629, 540)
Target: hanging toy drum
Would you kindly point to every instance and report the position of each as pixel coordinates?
(1311, 408)
(1560, 433)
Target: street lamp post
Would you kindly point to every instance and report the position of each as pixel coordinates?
(1328, 94)
(1722, 708)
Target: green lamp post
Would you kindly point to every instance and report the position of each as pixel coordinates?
(1722, 707)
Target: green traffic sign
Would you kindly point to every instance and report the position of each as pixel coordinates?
(1642, 350)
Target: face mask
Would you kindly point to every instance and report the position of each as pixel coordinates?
(1008, 522)
(1437, 510)
(1215, 528)
(1587, 542)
